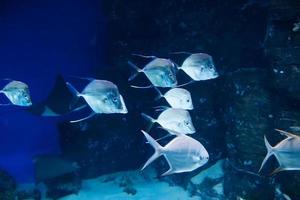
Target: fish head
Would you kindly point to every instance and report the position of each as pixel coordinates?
(112, 102)
(200, 67)
(186, 102)
(200, 158)
(19, 96)
(186, 127)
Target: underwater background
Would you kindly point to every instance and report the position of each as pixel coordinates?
(255, 48)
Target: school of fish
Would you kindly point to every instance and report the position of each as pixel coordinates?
(183, 153)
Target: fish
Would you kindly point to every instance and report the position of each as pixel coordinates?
(286, 152)
(18, 93)
(183, 153)
(174, 119)
(102, 96)
(199, 67)
(161, 72)
(177, 98)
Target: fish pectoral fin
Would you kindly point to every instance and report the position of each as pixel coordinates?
(285, 133)
(88, 117)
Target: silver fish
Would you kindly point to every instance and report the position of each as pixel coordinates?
(183, 154)
(18, 93)
(161, 72)
(174, 119)
(102, 96)
(286, 152)
(199, 66)
(177, 98)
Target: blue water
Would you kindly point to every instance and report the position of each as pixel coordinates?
(39, 40)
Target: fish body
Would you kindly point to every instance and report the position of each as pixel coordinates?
(183, 154)
(18, 93)
(174, 119)
(102, 96)
(179, 98)
(161, 72)
(286, 152)
(199, 67)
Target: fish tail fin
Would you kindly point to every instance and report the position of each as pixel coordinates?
(137, 71)
(157, 147)
(148, 118)
(160, 95)
(270, 152)
(75, 93)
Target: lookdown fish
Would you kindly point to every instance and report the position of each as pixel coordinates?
(199, 66)
(174, 119)
(161, 72)
(286, 152)
(183, 153)
(177, 98)
(102, 96)
(18, 93)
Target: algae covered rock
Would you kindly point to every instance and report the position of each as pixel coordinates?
(248, 116)
(7, 186)
(282, 46)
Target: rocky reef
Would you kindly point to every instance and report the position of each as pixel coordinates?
(255, 49)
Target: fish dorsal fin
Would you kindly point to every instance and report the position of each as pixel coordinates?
(143, 56)
(83, 78)
(285, 133)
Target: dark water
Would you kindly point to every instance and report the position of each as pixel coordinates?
(46, 43)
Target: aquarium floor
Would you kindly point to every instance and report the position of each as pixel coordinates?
(113, 186)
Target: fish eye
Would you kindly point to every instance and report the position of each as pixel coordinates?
(171, 75)
(105, 99)
(186, 123)
(115, 99)
(188, 100)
